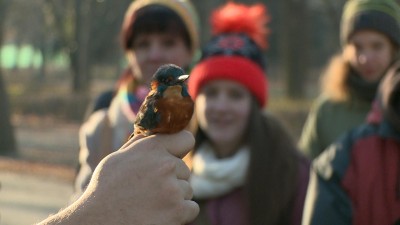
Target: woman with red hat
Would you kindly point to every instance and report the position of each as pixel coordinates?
(245, 167)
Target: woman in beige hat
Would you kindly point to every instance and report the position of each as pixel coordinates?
(154, 32)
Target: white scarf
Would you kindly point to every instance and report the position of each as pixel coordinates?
(213, 177)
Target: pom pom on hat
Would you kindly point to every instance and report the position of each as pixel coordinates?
(235, 52)
(238, 18)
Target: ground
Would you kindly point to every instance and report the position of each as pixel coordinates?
(39, 182)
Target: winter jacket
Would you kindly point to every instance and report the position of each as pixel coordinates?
(328, 120)
(357, 179)
(104, 132)
(344, 104)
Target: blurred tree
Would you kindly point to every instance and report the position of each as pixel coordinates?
(294, 45)
(70, 20)
(333, 10)
(105, 32)
(324, 27)
(326, 16)
(204, 9)
(7, 138)
(88, 29)
(24, 34)
(80, 61)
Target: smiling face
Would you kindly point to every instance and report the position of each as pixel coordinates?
(369, 53)
(150, 51)
(222, 109)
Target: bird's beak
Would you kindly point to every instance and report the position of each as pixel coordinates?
(182, 78)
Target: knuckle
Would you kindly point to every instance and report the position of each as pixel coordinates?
(167, 166)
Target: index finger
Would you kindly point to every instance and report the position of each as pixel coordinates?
(131, 140)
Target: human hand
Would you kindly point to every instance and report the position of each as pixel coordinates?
(145, 182)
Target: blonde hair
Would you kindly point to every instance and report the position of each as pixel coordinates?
(334, 79)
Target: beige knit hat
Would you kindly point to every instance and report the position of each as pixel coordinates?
(183, 8)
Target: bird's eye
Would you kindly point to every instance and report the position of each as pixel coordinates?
(169, 80)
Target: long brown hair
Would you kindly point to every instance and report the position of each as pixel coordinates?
(334, 79)
(272, 174)
(334, 82)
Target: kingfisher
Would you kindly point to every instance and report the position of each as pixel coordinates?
(168, 107)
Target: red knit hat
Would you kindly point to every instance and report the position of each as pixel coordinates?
(235, 52)
(235, 68)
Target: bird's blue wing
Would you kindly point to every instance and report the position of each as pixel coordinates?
(148, 117)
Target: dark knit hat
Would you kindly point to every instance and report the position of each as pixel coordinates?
(236, 50)
(380, 15)
(183, 8)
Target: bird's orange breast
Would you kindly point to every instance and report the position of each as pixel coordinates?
(176, 110)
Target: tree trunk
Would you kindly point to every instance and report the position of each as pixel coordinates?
(204, 9)
(80, 58)
(7, 138)
(294, 46)
(42, 72)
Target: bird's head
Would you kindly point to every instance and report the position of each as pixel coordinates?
(170, 75)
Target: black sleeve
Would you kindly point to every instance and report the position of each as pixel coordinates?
(103, 101)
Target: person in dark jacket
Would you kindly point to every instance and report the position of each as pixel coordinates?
(357, 179)
(370, 37)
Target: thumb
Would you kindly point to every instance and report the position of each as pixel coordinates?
(178, 144)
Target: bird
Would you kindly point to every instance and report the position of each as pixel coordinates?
(168, 107)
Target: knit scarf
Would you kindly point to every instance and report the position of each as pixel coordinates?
(132, 95)
(360, 88)
(214, 177)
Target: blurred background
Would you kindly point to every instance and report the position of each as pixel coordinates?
(57, 55)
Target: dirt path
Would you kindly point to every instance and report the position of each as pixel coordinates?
(27, 198)
(47, 141)
(40, 181)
